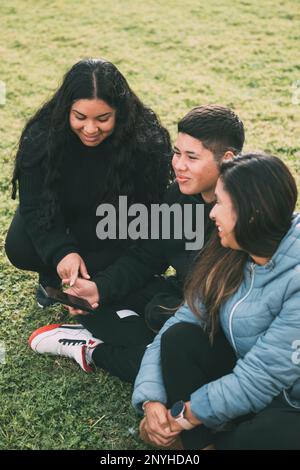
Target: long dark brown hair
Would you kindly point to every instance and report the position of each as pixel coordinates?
(264, 194)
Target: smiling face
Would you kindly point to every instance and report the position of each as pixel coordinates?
(224, 216)
(92, 121)
(195, 167)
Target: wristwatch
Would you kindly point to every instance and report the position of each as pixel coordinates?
(177, 412)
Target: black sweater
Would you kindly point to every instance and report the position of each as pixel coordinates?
(83, 174)
(132, 271)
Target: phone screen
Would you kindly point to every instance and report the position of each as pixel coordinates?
(68, 299)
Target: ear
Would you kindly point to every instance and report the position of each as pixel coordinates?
(227, 156)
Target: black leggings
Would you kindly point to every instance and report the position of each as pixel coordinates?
(22, 254)
(189, 361)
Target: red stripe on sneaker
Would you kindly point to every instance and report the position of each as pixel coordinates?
(87, 368)
(42, 330)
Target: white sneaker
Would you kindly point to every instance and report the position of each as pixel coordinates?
(65, 340)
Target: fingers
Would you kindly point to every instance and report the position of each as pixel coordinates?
(64, 274)
(78, 284)
(73, 311)
(153, 438)
(162, 426)
(160, 442)
(76, 311)
(83, 270)
(73, 277)
(164, 434)
(161, 430)
(69, 279)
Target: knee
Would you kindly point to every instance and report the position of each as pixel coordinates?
(178, 339)
(10, 245)
(15, 250)
(10, 249)
(179, 332)
(18, 246)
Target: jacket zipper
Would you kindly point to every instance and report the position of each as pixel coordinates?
(252, 267)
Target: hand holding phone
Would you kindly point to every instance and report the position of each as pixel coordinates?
(67, 299)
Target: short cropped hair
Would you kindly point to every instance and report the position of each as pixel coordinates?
(218, 128)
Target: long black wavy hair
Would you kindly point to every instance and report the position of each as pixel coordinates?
(139, 140)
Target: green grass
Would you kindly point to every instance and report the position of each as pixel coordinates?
(175, 55)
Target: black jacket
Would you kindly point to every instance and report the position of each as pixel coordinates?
(132, 271)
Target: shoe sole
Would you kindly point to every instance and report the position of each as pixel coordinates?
(43, 329)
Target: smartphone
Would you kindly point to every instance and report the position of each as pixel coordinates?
(67, 299)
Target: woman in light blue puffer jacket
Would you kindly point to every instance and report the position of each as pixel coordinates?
(224, 372)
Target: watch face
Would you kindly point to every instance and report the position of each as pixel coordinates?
(177, 408)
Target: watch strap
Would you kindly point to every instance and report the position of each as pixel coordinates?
(184, 423)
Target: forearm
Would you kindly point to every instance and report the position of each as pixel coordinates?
(129, 273)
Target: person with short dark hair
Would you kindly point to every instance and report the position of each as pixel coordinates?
(93, 141)
(217, 127)
(135, 297)
(224, 372)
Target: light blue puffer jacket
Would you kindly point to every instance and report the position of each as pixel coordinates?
(262, 323)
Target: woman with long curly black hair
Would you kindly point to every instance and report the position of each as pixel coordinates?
(93, 141)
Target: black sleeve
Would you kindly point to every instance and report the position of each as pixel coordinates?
(51, 245)
(132, 271)
(136, 267)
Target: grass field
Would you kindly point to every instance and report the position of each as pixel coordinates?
(175, 55)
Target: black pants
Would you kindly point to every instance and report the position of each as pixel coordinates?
(189, 362)
(22, 254)
(125, 337)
